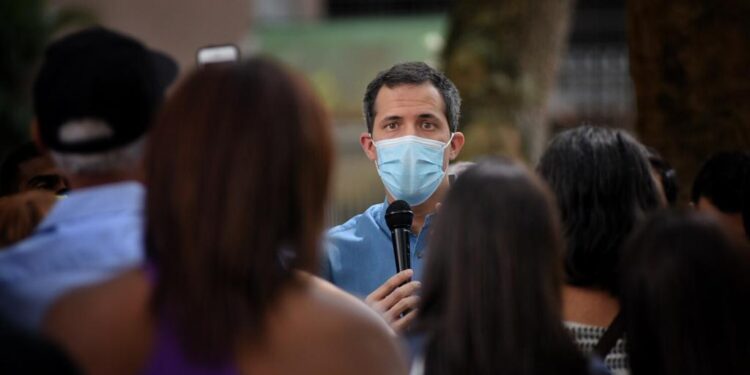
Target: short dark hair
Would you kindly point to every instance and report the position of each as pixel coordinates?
(721, 180)
(493, 278)
(685, 294)
(238, 169)
(414, 73)
(603, 185)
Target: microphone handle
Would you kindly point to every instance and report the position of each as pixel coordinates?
(401, 251)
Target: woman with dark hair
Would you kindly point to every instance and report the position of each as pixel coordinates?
(685, 293)
(491, 301)
(238, 170)
(603, 184)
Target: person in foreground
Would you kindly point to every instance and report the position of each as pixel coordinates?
(603, 184)
(685, 297)
(94, 100)
(491, 301)
(412, 113)
(238, 169)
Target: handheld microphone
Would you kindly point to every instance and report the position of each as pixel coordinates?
(399, 216)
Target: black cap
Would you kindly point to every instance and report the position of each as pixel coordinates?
(104, 78)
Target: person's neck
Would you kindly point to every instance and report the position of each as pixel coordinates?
(590, 306)
(80, 181)
(426, 208)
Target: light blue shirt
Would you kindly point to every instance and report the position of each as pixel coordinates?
(359, 254)
(88, 237)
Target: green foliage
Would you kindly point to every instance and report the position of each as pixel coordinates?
(341, 56)
(22, 37)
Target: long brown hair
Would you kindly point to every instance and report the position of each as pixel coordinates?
(238, 170)
(491, 301)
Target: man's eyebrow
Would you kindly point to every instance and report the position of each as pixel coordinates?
(44, 179)
(427, 115)
(391, 118)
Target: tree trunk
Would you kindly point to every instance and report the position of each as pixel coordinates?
(503, 56)
(689, 61)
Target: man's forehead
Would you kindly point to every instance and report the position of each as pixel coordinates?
(36, 165)
(409, 95)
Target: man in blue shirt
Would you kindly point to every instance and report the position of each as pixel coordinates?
(94, 98)
(412, 114)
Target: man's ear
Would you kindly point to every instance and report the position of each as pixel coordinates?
(368, 146)
(457, 143)
(36, 138)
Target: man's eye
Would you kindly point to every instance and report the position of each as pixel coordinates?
(391, 126)
(428, 125)
(41, 182)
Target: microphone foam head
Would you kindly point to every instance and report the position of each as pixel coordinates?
(399, 215)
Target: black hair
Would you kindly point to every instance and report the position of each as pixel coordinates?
(721, 180)
(413, 73)
(685, 293)
(491, 301)
(9, 172)
(603, 185)
(667, 175)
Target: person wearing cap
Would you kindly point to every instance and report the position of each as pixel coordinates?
(94, 98)
(412, 113)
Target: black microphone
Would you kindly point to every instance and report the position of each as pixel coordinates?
(399, 216)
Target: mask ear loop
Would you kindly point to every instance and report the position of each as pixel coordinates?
(447, 144)
(450, 140)
(377, 167)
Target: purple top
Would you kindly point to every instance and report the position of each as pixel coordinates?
(168, 356)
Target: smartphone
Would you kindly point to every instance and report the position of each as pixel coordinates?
(226, 53)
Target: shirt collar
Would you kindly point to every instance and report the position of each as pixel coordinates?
(380, 218)
(81, 203)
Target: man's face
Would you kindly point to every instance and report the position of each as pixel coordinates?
(417, 110)
(40, 173)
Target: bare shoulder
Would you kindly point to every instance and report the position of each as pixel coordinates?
(320, 329)
(105, 327)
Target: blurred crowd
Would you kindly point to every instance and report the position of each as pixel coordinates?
(158, 225)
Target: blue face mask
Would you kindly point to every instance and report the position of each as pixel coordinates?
(411, 167)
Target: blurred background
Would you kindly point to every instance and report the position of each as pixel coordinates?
(526, 69)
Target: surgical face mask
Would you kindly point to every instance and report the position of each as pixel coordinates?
(411, 167)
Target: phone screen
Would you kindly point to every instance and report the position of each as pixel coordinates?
(218, 54)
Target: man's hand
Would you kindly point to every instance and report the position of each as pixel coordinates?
(393, 299)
